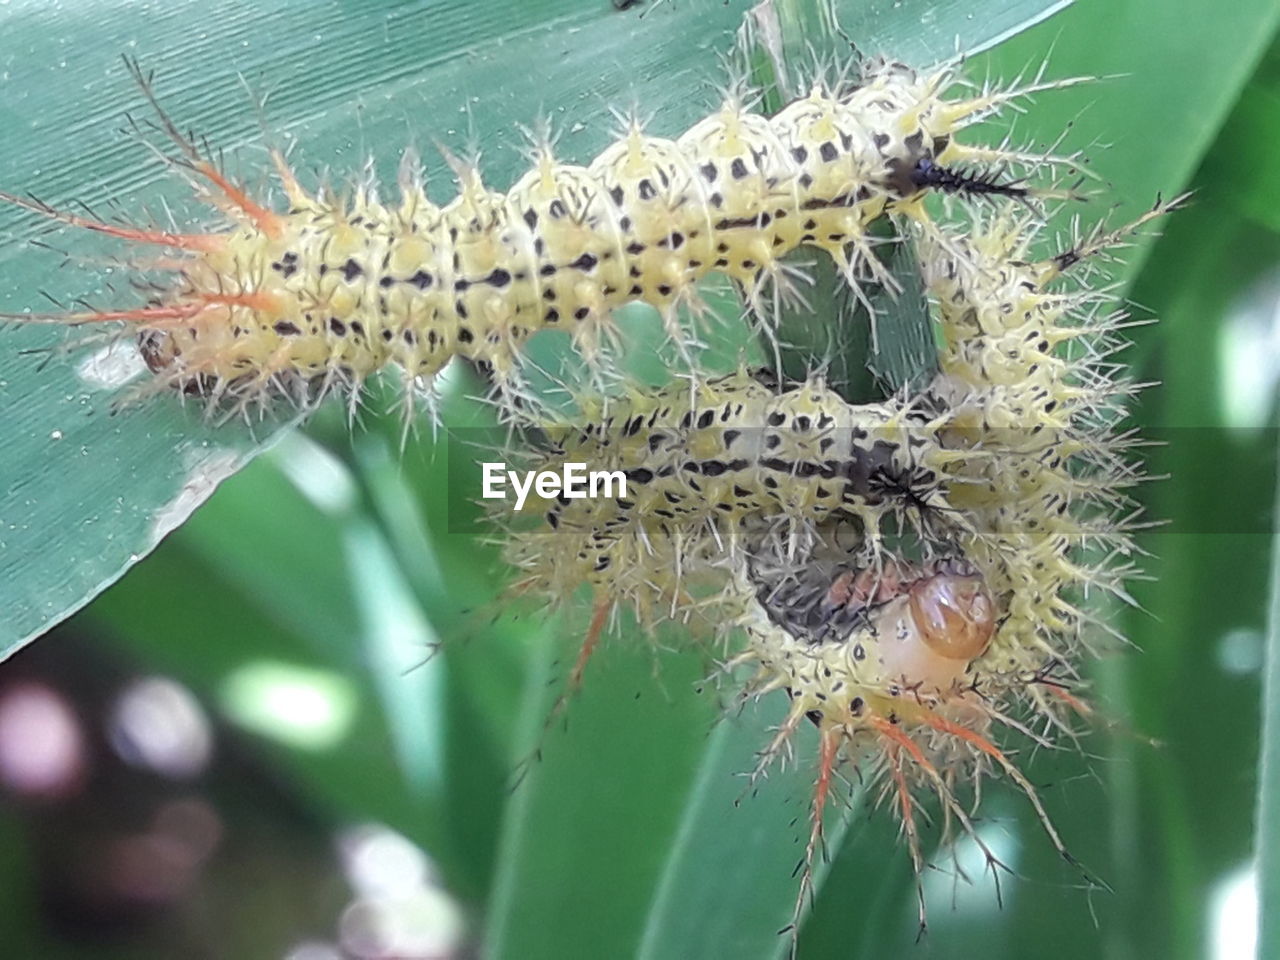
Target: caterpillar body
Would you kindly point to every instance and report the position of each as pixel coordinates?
(297, 303)
(919, 617)
(710, 470)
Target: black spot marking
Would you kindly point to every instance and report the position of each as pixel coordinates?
(733, 223)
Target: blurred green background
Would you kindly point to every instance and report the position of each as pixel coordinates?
(242, 749)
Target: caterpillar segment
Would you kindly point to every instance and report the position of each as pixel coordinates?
(1029, 377)
(327, 292)
(708, 475)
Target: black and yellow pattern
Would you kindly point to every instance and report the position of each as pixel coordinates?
(914, 574)
(329, 292)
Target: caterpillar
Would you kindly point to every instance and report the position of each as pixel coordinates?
(707, 465)
(913, 574)
(299, 302)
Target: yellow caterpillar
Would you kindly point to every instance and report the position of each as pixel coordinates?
(327, 292)
(709, 467)
(915, 611)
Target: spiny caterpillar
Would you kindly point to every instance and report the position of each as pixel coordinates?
(709, 465)
(918, 603)
(328, 292)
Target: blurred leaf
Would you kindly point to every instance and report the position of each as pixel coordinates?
(1267, 815)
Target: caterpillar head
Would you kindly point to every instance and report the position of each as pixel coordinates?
(929, 623)
(948, 622)
(872, 632)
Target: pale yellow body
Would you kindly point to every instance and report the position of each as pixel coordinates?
(342, 291)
